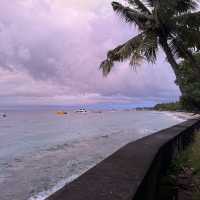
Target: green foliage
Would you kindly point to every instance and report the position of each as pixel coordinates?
(186, 77)
(187, 161)
(169, 107)
(190, 157)
(190, 84)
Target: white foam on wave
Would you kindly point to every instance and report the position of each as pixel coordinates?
(180, 117)
(45, 194)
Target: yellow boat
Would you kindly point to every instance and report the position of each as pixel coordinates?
(61, 113)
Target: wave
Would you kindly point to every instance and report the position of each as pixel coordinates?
(45, 194)
(179, 116)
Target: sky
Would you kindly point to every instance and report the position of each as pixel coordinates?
(50, 52)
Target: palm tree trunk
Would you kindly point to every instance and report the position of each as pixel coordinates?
(171, 61)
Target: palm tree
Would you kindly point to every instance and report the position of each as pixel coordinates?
(174, 25)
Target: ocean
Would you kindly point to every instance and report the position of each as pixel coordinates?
(41, 151)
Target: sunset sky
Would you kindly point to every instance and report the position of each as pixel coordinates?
(50, 51)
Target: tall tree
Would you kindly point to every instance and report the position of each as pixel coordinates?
(174, 25)
(191, 97)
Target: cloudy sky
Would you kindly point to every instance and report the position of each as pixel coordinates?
(50, 51)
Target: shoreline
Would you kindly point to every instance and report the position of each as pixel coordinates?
(181, 116)
(116, 173)
(61, 162)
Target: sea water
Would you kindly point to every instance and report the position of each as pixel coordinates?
(41, 151)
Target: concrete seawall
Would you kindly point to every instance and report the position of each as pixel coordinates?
(133, 172)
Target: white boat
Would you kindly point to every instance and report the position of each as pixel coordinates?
(81, 110)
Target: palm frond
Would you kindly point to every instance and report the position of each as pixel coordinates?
(175, 49)
(172, 23)
(150, 46)
(180, 50)
(186, 54)
(189, 36)
(136, 59)
(130, 15)
(147, 50)
(151, 3)
(185, 5)
(144, 45)
(191, 20)
(140, 6)
(121, 53)
(170, 8)
(106, 67)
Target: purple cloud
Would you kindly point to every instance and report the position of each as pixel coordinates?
(51, 50)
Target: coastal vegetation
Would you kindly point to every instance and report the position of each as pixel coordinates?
(176, 106)
(190, 99)
(182, 180)
(174, 26)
